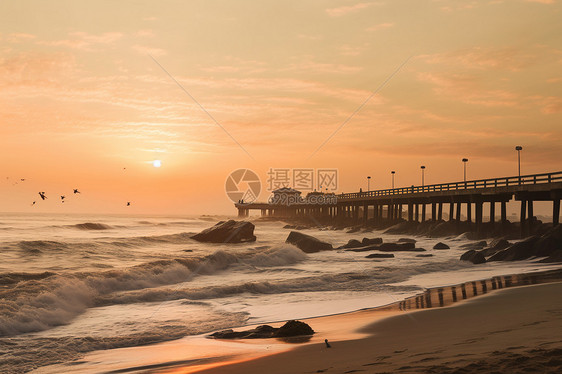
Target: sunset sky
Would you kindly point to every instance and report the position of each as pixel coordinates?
(84, 105)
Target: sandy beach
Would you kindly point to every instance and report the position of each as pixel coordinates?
(508, 331)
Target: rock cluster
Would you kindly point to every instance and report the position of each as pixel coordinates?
(291, 328)
(230, 231)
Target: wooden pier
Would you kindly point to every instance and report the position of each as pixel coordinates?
(415, 203)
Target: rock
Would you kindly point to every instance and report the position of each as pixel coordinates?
(478, 245)
(289, 226)
(425, 255)
(293, 328)
(474, 257)
(364, 249)
(441, 229)
(227, 232)
(518, 251)
(307, 243)
(495, 246)
(556, 256)
(549, 242)
(353, 229)
(441, 246)
(399, 247)
(367, 241)
(352, 243)
(380, 255)
(406, 240)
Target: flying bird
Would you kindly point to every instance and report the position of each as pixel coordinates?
(62, 198)
(22, 179)
(42, 194)
(76, 190)
(128, 203)
(33, 203)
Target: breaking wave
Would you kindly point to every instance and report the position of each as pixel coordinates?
(39, 302)
(91, 226)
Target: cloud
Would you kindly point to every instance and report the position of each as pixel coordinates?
(343, 10)
(541, 1)
(512, 59)
(146, 50)
(466, 88)
(85, 41)
(380, 26)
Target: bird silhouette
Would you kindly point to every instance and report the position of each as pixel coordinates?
(327, 344)
(42, 194)
(62, 197)
(76, 190)
(128, 203)
(33, 203)
(22, 179)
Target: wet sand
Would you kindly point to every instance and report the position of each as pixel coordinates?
(510, 330)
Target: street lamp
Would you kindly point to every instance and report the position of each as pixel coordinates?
(518, 149)
(465, 160)
(392, 172)
(422, 169)
(368, 183)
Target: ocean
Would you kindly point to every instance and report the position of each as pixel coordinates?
(72, 284)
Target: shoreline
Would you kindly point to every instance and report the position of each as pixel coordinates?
(513, 305)
(201, 354)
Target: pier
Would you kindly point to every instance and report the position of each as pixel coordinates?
(421, 203)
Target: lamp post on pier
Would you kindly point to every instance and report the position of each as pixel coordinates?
(464, 161)
(518, 149)
(368, 183)
(392, 172)
(423, 170)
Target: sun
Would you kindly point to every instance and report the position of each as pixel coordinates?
(156, 163)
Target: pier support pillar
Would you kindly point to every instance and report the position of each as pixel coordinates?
(556, 212)
(530, 215)
(522, 218)
(451, 211)
(469, 212)
(410, 212)
(440, 211)
(492, 212)
(459, 206)
(479, 206)
(365, 213)
(417, 213)
(503, 212)
(433, 212)
(423, 213)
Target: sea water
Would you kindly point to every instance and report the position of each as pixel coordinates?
(72, 284)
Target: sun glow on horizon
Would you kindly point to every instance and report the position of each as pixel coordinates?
(156, 163)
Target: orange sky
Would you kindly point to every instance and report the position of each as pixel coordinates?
(82, 98)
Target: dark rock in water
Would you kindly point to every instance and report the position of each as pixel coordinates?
(441, 246)
(293, 328)
(406, 240)
(301, 227)
(289, 226)
(188, 250)
(364, 249)
(227, 232)
(353, 229)
(549, 242)
(367, 241)
(478, 245)
(380, 255)
(352, 243)
(474, 257)
(499, 244)
(441, 229)
(518, 251)
(399, 247)
(425, 255)
(556, 256)
(307, 243)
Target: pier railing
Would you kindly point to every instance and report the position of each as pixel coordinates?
(468, 185)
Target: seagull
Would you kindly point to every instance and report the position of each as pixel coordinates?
(327, 344)
(76, 190)
(62, 198)
(33, 203)
(42, 194)
(22, 179)
(128, 203)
